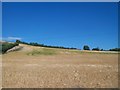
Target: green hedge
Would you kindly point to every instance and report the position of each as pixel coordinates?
(115, 49)
(6, 46)
(42, 45)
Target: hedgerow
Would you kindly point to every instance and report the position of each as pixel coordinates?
(6, 46)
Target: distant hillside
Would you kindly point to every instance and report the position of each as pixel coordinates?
(18, 45)
(42, 45)
(62, 47)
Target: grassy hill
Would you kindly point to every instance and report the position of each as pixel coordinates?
(40, 49)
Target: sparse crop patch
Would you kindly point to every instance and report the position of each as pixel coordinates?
(42, 52)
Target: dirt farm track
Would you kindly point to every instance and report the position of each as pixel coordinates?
(28, 68)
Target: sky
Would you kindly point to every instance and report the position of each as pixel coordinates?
(68, 24)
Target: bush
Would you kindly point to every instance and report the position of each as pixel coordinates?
(6, 46)
(96, 49)
(115, 49)
(86, 47)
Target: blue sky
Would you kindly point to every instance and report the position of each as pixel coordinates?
(62, 24)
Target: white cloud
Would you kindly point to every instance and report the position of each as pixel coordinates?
(10, 38)
(14, 38)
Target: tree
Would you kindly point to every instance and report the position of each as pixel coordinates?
(114, 49)
(18, 41)
(101, 50)
(86, 47)
(96, 49)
